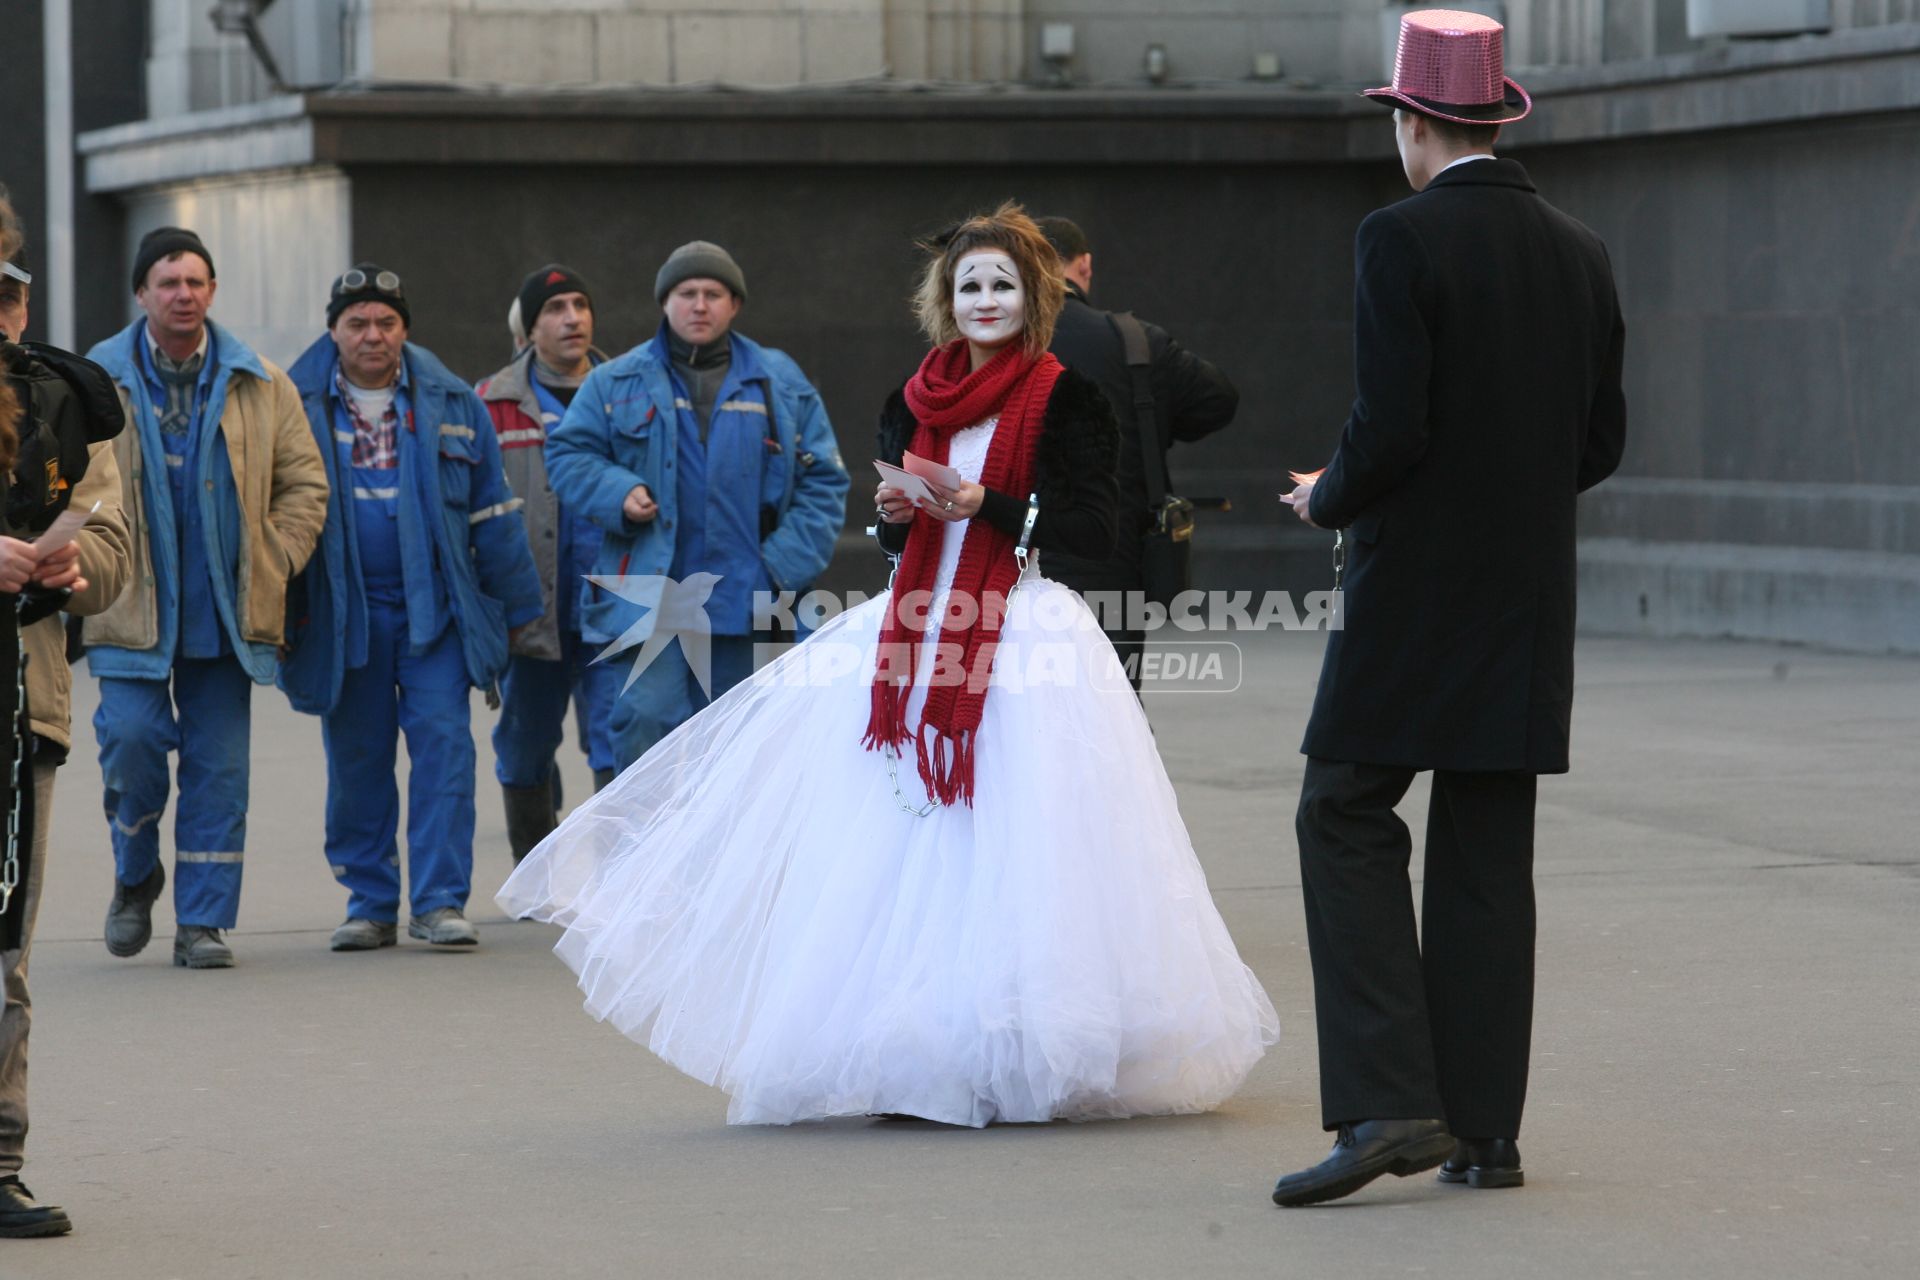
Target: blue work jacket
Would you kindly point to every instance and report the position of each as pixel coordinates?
(624, 428)
(458, 518)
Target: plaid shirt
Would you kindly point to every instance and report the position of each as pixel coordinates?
(375, 444)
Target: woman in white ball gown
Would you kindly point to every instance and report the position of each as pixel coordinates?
(927, 863)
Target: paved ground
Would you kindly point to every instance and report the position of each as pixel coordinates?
(1726, 1083)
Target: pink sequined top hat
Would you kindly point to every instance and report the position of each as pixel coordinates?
(1451, 65)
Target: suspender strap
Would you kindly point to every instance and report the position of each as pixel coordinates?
(1133, 337)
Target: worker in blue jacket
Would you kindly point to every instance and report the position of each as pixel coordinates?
(224, 495)
(423, 570)
(699, 452)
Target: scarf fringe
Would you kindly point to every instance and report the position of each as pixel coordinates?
(946, 763)
(887, 718)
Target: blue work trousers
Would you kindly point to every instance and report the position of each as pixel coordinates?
(533, 711)
(205, 713)
(425, 697)
(666, 695)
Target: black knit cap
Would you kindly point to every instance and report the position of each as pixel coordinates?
(547, 283)
(164, 242)
(368, 282)
(1066, 237)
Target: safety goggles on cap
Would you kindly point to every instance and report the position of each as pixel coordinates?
(356, 280)
(17, 272)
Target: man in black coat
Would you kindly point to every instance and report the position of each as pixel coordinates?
(1191, 399)
(1488, 356)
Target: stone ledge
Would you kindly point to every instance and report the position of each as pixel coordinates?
(1831, 517)
(1861, 601)
(1851, 73)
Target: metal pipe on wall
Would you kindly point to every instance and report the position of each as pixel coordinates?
(58, 289)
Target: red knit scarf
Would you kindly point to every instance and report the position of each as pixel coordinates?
(944, 398)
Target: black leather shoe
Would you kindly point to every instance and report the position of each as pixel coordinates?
(1484, 1162)
(21, 1216)
(1361, 1153)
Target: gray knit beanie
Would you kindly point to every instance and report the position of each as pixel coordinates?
(699, 260)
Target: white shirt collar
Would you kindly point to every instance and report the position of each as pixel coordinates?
(1478, 155)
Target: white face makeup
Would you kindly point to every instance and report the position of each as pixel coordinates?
(989, 304)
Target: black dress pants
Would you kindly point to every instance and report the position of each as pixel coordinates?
(1407, 1030)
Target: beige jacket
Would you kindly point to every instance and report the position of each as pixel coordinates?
(282, 484)
(106, 559)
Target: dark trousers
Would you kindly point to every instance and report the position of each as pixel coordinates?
(1428, 1020)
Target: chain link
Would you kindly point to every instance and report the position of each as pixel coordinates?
(899, 796)
(10, 873)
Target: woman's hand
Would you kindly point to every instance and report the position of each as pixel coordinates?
(18, 560)
(961, 503)
(890, 505)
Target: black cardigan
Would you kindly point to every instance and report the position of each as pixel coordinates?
(1073, 473)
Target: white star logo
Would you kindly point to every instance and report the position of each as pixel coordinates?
(673, 609)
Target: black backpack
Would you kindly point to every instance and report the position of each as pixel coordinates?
(69, 404)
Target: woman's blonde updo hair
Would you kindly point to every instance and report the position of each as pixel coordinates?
(1013, 233)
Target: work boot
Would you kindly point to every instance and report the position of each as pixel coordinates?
(529, 818)
(601, 777)
(358, 934)
(21, 1215)
(196, 946)
(446, 927)
(130, 914)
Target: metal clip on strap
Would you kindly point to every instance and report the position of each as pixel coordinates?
(1026, 532)
(893, 557)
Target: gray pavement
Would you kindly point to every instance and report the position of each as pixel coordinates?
(1726, 1080)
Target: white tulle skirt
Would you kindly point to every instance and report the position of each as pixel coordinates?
(759, 901)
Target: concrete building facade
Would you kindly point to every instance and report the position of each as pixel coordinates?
(1755, 193)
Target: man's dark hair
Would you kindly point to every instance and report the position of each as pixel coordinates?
(1066, 237)
(1476, 137)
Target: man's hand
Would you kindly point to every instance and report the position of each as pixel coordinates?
(60, 569)
(1299, 499)
(18, 561)
(515, 633)
(639, 506)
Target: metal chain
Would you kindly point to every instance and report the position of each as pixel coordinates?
(893, 755)
(899, 796)
(1339, 557)
(10, 874)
